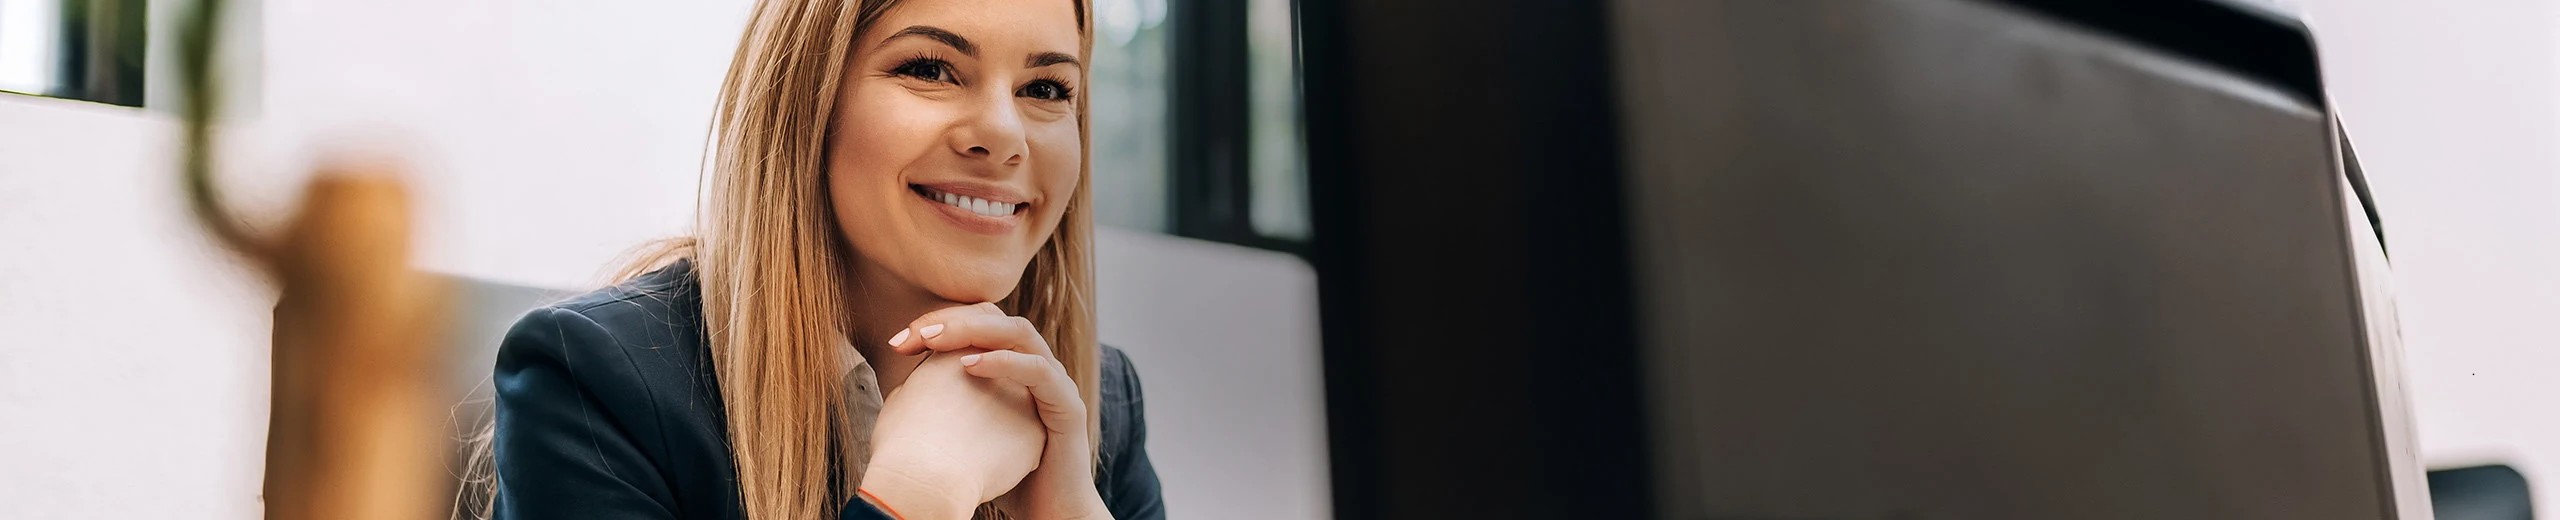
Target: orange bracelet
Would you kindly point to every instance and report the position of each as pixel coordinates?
(884, 504)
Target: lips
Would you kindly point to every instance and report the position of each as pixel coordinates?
(975, 208)
(978, 205)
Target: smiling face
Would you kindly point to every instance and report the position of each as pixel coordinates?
(955, 146)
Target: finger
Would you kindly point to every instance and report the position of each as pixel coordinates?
(996, 332)
(1061, 408)
(911, 339)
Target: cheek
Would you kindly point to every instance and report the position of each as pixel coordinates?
(874, 141)
(875, 138)
(1060, 156)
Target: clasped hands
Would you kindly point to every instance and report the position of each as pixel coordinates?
(992, 415)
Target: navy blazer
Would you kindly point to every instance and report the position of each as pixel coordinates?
(608, 407)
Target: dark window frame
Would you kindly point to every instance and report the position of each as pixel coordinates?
(1211, 127)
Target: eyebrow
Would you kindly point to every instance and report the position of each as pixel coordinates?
(937, 34)
(1049, 58)
(1037, 60)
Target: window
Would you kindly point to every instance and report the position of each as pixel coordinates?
(76, 49)
(1279, 175)
(1195, 120)
(1131, 80)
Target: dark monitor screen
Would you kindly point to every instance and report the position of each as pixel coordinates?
(1841, 260)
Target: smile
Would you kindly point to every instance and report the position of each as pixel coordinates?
(980, 206)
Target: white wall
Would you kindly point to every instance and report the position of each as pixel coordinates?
(132, 355)
(2452, 107)
(548, 136)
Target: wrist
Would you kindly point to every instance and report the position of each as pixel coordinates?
(1093, 509)
(910, 496)
(1082, 506)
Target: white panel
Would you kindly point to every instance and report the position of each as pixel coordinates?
(133, 358)
(1224, 338)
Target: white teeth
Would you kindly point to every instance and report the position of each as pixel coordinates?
(975, 205)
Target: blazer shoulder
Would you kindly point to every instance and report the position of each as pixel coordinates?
(636, 346)
(656, 311)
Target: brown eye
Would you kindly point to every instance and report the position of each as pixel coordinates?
(1045, 90)
(927, 69)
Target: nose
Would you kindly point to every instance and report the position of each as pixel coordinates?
(992, 132)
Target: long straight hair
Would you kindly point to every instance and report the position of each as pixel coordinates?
(774, 265)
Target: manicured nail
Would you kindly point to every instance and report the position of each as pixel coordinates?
(899, 339)
(930, 330)
(969, 360)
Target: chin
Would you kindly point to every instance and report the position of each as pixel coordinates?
(964, 285)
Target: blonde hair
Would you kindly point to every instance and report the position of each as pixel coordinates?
(773, 263)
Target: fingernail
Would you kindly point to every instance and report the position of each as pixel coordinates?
(969, 360)
(931, 330)
(899, 339)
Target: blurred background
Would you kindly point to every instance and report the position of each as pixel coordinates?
(547, 136)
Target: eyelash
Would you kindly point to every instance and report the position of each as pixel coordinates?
(929, 68)
(1065, 93)
(918, 67)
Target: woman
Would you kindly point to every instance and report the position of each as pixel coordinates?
(898, 207)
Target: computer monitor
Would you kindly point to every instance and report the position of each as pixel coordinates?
(1844, 259)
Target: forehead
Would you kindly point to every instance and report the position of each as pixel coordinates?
(1024, 25)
